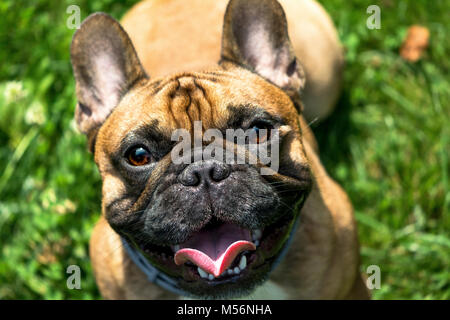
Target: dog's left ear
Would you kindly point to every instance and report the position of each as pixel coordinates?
(255, 36)
(105, 66)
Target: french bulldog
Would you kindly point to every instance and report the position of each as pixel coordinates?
(208, 228)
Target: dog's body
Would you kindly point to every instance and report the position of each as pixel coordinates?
(323, 259)
(173, 36)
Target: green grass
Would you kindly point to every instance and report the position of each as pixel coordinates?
(387, 144)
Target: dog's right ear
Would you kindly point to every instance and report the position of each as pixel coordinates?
(105, 66)
(255, 36)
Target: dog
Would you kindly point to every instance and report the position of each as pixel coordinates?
(209, 228)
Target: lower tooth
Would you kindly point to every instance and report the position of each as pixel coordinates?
(210, 277)
(243, 263)
(229, 271)
(256, 243)
(237, 270)
(202, 273)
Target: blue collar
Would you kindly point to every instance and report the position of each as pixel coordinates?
(153, 274)
(171, 284)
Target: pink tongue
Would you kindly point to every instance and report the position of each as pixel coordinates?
(215, 249)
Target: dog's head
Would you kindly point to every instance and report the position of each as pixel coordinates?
(214, 224)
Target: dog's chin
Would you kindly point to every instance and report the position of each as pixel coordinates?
(241, 259)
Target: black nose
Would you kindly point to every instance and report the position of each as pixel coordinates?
(204, 172)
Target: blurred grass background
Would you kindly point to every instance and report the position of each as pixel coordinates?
(387, 143)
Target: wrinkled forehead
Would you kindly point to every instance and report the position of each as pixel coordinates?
(216, 98)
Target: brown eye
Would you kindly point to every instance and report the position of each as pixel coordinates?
(138, 156)
(262, 131)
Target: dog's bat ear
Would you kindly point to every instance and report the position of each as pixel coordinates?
(105, 66)
(255, 36)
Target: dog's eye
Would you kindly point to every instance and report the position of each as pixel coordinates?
(138, 156)
(261, 130)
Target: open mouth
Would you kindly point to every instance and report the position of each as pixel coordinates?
(221, 252)
(218, 250)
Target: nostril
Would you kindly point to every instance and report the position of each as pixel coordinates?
(218, 173)
(189, 179)
(204, 172)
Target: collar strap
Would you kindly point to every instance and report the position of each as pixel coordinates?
(171, 284)
(153, 274)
